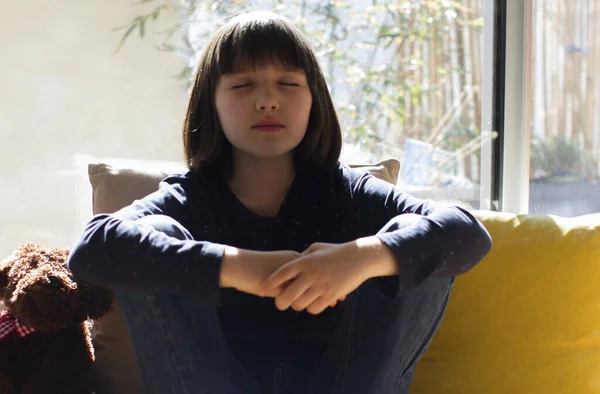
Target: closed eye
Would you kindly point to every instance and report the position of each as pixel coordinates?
(288, 83)
(242, 85)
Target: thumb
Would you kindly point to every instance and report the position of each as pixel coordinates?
(307, 251)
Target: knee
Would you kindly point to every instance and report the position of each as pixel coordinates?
(435, 292)
(165, 224)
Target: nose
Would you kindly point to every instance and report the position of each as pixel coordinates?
(267, 101)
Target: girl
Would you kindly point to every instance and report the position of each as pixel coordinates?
(269, 267)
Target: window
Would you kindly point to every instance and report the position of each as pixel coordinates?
(406, 77)
(565, 140)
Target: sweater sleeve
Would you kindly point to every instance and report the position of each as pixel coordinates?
(435, 240)
(116, 252)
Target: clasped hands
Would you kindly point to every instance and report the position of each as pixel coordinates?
(312, 280)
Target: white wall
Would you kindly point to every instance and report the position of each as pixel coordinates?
(63, 91)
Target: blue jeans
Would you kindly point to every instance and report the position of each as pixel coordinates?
(181, 348)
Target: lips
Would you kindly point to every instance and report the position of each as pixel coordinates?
(268, 126)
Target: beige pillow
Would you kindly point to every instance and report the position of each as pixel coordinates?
(386, 170)
(116, 183)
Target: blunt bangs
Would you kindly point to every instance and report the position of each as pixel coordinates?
(253, 43)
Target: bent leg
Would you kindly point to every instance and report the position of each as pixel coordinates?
(381, 338)
(174, 336)
(390, 336)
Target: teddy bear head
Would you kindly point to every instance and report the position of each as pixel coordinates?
(38, 288)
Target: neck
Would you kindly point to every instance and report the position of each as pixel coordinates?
(262, 183)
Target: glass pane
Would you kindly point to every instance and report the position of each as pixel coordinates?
(405, 77)
(565, 147)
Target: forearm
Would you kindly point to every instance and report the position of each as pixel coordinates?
(380, 260)
(445, 243)
(245, 270)
(233, 266)
(115, 253)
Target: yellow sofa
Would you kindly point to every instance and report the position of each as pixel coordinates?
(526, 320)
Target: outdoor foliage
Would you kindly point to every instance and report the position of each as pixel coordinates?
(556, 157)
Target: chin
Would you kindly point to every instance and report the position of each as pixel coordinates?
(270, 152)
(272, 155)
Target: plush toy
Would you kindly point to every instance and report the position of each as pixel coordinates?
(45, 341)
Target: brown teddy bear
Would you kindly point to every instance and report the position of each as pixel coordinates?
(45, 341)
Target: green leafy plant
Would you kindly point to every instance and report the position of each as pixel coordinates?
(556, 157)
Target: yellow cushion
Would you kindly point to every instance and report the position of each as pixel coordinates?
(526, 320)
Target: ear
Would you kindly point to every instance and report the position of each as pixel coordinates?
(4, 268)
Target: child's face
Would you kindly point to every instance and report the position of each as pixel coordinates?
(264, 112)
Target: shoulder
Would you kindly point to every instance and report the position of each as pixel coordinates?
(187, 184)
(365, 179)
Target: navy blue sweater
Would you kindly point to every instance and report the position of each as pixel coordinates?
(335, 206)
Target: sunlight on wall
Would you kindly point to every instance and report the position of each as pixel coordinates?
(64, 91)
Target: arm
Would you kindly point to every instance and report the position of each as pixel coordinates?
(114, 252)
(401, 242)
(425, 238)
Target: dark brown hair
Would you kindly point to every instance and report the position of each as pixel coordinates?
(247, 41)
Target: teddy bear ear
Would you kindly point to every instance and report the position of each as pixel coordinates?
(4, 268)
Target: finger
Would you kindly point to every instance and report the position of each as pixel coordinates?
(278, 279)
(318, 306)
(306, 299)
(333, 304)
(274, 293)
(343, 298)
(292, 293)
(308, 250)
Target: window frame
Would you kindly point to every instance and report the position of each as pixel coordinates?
(508, 104)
